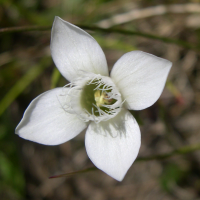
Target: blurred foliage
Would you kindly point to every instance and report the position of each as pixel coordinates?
(12, 181)
(171, 176)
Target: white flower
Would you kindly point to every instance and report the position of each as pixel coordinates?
(95, 100)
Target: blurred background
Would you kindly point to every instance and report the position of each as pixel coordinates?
(27, 70)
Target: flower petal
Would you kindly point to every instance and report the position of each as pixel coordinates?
(113, 145)
(73, 50)
(45, 121)
(140, 78)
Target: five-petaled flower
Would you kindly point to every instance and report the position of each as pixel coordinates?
(95, 100)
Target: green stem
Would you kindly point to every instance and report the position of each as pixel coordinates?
(141, 34)
(180, 151)
(109, 30)
(55, 78)
(24, 28)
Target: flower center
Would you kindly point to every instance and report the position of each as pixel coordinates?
(94, 97)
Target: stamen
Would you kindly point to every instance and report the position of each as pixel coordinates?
(92, 97)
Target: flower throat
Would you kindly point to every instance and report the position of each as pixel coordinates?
(96, 98)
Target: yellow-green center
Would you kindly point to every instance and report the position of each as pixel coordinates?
(93, 99)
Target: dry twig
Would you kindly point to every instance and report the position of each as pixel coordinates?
(148, 12)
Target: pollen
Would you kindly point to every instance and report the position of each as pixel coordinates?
(102, 98)
(99, 98)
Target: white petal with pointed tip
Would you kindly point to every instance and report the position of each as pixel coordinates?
(140, 77)
(45, 121)
(74, 50)
(113, 145)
